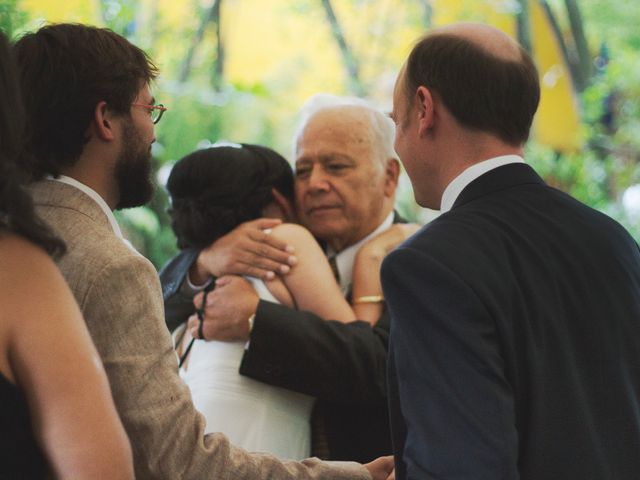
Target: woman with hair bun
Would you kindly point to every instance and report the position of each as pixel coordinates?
(213, 191)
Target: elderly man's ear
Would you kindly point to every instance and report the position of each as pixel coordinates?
(391, 171)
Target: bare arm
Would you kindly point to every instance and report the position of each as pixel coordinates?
(312, 284)
(53, 361)
(366, 269)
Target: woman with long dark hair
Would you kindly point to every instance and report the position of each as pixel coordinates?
(57, 414)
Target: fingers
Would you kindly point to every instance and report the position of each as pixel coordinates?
(381, 468)
(265, 237)
(251, 249)
(264, 223)
(197, 299)
(259, 250)
(193, 326)
(225, 280)
(227, 311)
(197, 328)
(260, 231)
(261, 267)
(267, 255)
(271, 251)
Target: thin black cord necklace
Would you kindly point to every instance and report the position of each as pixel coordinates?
(200, 314)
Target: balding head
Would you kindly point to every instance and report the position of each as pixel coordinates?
(490, 39)
(484, 78)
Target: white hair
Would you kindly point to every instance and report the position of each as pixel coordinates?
(381, 125)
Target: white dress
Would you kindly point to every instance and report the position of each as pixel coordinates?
(255, 416)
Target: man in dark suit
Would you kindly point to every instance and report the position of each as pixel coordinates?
(345, 182)
(515, 339)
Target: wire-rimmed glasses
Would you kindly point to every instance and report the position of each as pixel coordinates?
(155, 111)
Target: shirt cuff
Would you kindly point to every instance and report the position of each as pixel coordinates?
(188, 288)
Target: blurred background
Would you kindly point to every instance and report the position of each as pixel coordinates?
(238, 71)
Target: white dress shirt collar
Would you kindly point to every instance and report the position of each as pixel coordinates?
(458, 184)
(345, 258)
(96, 198)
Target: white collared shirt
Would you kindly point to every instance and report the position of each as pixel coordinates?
(458, 184)
(101, 203)
(345, 258)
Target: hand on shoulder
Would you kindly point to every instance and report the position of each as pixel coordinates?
(249, 250)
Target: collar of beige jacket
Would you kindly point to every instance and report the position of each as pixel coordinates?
(53, 192)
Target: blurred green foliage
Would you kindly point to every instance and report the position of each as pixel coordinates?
(11, 17)
(204, 109)
(600, 174)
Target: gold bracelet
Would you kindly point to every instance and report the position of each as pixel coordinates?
(368, 299)
(250, 320)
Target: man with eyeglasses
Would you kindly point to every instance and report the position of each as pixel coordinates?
(91, 127)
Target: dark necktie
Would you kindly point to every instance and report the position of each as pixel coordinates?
(319, 444)
(334, 268)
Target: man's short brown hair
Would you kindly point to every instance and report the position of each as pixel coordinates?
(65, 71)
(482, 91)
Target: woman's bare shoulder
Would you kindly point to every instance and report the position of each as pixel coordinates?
(18, 254)
(293, 233)
(27, 276)
(27, 270)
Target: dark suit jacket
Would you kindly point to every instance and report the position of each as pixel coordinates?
(515, 345)
(178, 306)
(342, 365)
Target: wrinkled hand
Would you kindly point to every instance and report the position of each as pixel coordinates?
(227, 312)
(381, 468)
(248, 249)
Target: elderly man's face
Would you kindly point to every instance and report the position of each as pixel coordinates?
(341, 182)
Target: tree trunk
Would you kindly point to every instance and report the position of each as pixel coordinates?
(351, 64)
(577, 30)
(574, 69)
(208, 16)
(153, 23)
(218, 70)
(427, 13)
(524, 26)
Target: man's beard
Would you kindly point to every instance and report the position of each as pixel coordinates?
(133, 170)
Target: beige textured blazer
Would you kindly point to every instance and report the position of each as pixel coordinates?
(119, 294)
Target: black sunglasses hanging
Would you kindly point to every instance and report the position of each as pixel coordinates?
(200, 315)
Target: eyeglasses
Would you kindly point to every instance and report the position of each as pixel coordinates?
(155, 111)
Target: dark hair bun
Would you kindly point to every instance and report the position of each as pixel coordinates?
(215, 189)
